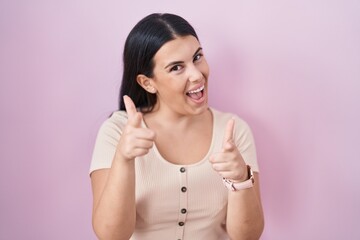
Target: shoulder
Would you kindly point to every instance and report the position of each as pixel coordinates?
(221, 119)
(118, 118)
(242, 131)
(114, 124)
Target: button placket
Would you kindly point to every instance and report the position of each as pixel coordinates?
(183, 203)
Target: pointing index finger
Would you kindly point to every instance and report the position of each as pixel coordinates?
(129, 107)
(229, 131)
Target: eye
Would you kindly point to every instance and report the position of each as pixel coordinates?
(198, 57)
(176, 68)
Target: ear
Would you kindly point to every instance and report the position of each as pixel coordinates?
(145, 83)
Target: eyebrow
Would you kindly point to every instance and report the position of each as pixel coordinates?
(179, 62)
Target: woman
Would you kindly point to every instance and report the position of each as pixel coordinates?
(166, 166)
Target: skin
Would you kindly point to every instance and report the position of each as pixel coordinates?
(179, 67)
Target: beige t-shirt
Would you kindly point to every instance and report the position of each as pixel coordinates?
(177, 201)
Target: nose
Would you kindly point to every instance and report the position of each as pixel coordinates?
(194, 73)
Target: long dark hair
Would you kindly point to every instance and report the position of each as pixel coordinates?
(142, 43)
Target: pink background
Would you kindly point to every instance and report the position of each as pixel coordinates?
(289, 68)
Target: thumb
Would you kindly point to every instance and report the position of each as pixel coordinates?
(134, 117)
(228, 137)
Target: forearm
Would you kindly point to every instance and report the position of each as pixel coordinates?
(245, 219)
(115, 212)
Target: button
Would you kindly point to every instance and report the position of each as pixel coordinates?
(183, 189)
(182, 169)
(181, 224)
(183, 211)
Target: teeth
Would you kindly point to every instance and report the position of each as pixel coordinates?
(197, 90)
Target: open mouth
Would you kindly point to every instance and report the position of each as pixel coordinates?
(197, 93)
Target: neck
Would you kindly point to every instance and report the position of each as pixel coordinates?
(173, 120)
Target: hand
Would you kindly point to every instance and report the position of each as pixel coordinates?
(229, 162)
(135, 140)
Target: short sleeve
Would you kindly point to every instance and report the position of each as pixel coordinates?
(106, 141)
(245, 142)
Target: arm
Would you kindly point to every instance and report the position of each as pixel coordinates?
(245, 219)
(114, 200)
(114, 209)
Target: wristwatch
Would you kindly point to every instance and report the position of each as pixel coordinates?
(236, 186)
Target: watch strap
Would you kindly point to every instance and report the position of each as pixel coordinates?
(236, 186)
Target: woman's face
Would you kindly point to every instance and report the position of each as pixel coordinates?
(181, 77)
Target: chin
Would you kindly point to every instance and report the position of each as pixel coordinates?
(201, 109)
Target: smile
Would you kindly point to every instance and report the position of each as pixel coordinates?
(196, 94)
(196, 90)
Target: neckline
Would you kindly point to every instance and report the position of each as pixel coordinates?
(207, 155)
